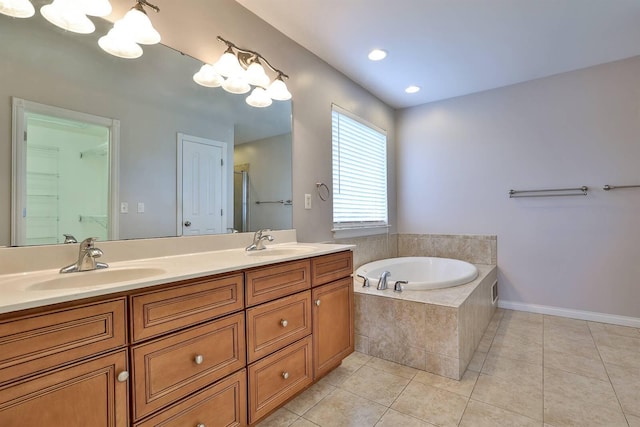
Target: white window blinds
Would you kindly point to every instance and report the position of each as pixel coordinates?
(359, 172)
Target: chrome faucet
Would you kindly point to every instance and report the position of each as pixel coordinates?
(258, 240)
(365, 281)
(86, 258)
(68, 238)
(382, 282)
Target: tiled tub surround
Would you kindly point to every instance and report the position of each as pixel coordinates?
(475, 249)
(435, 331)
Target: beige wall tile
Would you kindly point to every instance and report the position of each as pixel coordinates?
(361, 343)
(443, 365)
(442, 330)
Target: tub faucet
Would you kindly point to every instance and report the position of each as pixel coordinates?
(258, 240)
(86, 258)
(68, 238)
(397, 287)
(365, 281)
(382, 282)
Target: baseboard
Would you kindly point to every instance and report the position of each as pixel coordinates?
(574, 314)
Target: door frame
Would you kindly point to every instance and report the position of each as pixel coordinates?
(19, 161)
(180, 138)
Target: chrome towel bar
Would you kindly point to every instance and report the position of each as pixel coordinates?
(282, 202)
(550, 192)
(615, 187)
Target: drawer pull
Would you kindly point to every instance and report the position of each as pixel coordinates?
(123, 376)
(199, 359)
(285, 375)
(284, 323)
(317, 302)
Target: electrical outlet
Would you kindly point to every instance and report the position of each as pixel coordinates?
(124, 207)
(307, 201)
(140, 207)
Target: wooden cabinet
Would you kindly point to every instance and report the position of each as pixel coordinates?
(80, 395)
(223, 350)
(333, 325)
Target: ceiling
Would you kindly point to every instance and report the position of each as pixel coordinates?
(455, 47)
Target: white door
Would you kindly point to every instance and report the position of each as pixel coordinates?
(203, 186)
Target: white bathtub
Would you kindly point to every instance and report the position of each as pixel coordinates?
(422, 273)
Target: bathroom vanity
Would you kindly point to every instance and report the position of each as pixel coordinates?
(221, 349)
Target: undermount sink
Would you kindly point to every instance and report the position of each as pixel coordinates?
(87, 279)
(282, 251)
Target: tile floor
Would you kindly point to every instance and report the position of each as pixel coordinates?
(529, 370)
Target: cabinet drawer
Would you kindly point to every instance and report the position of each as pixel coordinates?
(224, 404)
(276, 378)
(157, 312)
(80, 395)
(268, 283)
(327, 268)
(276, 324)
(37, 342)
(170, 368)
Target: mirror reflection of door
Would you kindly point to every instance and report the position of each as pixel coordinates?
(204, 186)
(61, 174)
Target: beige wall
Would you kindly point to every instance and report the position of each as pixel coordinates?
(457, 160)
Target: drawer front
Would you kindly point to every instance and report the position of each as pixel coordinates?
(276, 378)
(157, 312)
(80, 395)
(268, 283)
(327, 268)
(170, 368)
(274, 325)
(37, 342)
(224, 404)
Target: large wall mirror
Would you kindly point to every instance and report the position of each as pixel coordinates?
(159, 111)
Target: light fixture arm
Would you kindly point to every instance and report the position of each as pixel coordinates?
(146, 3)
(246, 56)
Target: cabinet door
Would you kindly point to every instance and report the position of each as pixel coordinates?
(81, 395)
(333, 335)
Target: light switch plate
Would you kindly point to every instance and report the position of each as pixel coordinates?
(307, 201)
(140, 207)
(124, 207)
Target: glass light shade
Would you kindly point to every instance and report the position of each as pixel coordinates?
(259, 98)
(97, 7)
(208, 77)
(17, 8)
(278, 90)
(68, 15)
(256, 76)
(120, 45)
(138, 27)
(236, 84)
(228, 65)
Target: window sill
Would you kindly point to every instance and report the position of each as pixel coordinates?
(345, 233)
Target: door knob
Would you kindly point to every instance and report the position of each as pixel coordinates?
(187, 223)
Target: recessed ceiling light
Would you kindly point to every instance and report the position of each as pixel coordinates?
(377, 54)
(412, 89)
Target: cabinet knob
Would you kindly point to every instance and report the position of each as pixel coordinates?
(199, 359)
(200, 425)
(123, 376)
(317, 302)
(285, 375)
(284, 323)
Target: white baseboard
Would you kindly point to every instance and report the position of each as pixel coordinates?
(574, 314)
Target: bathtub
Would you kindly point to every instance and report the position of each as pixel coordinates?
(421, 273)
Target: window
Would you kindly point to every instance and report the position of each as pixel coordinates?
(359, 175)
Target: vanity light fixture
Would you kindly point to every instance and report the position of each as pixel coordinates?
(17, 8)
(412, 89)
(128, 33)
(238, 69)
(69, 15)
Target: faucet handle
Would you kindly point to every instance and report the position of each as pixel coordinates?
(365, 281)
(88, 243)
(397, 287)
(68, 238)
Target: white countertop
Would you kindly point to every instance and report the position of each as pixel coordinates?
(20, 291)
